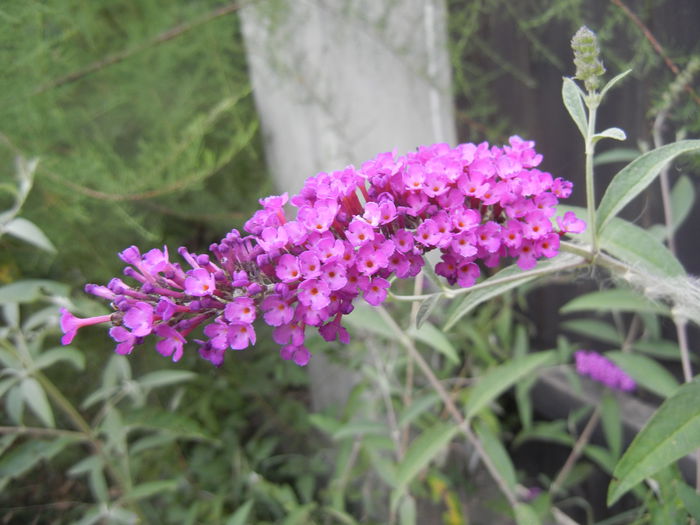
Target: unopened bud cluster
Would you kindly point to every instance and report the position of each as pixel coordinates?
(589, 67)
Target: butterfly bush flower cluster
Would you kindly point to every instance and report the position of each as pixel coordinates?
(353, 231)
(600, 368)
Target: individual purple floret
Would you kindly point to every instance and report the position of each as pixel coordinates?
(353, 231)
(601, 369)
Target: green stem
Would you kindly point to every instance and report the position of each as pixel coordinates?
(537, 272)
(592, 102)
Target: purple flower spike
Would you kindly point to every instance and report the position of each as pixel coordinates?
(354, 231)
(601, 369)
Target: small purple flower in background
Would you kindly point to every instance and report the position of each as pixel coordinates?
(600, 368)
(354, 230)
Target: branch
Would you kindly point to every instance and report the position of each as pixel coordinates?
(655, 44)
(120, 56)
(449, 404)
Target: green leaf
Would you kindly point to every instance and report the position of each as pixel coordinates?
(616, 155)
(420, 453)
(150, 441)
(164, 378)
(11, 314)
(43, 317)
(364, 318)
(525, 515)
(92, 516)
(636, 176)
(661, 349)
(613, 300)
(435, 339)
(61, 353)
(646, 372)
(86, 465)
(324, 423)
(240, 517)
(30, 290)
(98, 484)
(499, 379)
(360, 428)
(35, 397)
(682, 200)
(639, 248)
(671, 433)
(505, 280)
(614, 80)
(610, 133)
(24, 457)
(14, 404)
(150, 488)
(6, 442)
(524, 401)
(426, 308)
(572, 96)
(417, 408)
(150, 418)
(8, 383)
(497, 453)
(29, 232)
(595, 329)
(690, 499)
(612, 423)
(407, 511)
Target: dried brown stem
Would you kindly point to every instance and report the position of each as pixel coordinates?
(655, 44)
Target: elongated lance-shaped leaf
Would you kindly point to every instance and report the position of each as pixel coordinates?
(614, 80)
(616, 299)
(639, 249)
(525, 515)
(636, 176)
(646, 372)
(507, 279)
(436, 339)
(29, 232)
(240, 517)
(35, 398)
(671, 433)
(495, 450)
(499, 379)
(420, 453)
(610, 133)
(616, 155)
(426, 308)
(573, 102)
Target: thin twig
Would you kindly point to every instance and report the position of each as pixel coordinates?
(655, 44)
(576, 451)
(680, 322)
(456, 415)
(120, 56)
(494, 281)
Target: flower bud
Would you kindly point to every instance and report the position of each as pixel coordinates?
(589, 67)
